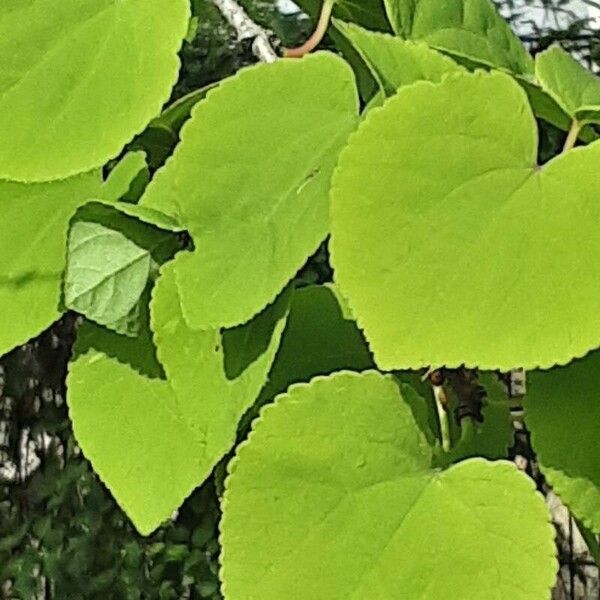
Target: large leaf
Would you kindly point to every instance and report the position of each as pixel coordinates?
(333, 498)
(34, 220)
(570, 84)
(79, 78)
(470, 29)
(562, 411)
(470, 252)
(252, 187)
(153, 441)
(396, 62)
(110, 258)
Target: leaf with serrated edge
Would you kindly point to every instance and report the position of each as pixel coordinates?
(106, 272)
(153, 441)
(33, 235)
(73, 68)
(395, 62)
(456, 218)
(470, 29)
(255, 216)
(332, 498)
(562, 412)
(570, 84)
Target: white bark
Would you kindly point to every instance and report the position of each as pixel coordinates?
(247, 29)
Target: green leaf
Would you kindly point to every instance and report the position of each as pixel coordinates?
(34, 222)
(470, 252)
(562, 412)
(254, 228)
(176, 114)
(153, 441)
(110, 258)
(127, 177)
(71, 69)
(569, 83)
(470, 29)
(318, 340)
(396, 62)
(333, 498)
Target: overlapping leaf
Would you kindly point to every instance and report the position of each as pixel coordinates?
(79, 78)
(110, 258)
(470, 252)
(569, 83)
(153, 441)
(396, 62)
(471, 29)
(333, 498)
(562, 411)
(34, 220)
(250, 181)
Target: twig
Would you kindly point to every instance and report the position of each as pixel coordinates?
(247, 29)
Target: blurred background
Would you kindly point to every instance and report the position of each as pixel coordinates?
(61, 534)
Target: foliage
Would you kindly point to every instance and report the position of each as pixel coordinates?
(436, 161)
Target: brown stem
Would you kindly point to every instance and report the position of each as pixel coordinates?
(318, 34)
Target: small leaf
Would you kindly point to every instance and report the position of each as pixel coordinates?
(456, 218)
(109, 262)
(34, 220)
(153, 441)
(470, 29)
(255, 227)
(562, 411)
(332, 497)
(396, 62)
(569, 83)
(85, 66)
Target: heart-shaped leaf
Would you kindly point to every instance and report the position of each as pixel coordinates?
(470, 29)
(255, 219)
(34, 221)
(562, 411)
(396, 62)
(570, 84)
(333, 498)
(153, 441)
(470, 252)
(73, 68)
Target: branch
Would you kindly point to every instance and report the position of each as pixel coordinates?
(247, 29)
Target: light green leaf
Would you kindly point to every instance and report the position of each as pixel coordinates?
(562, 412)
(153, 441)
(470, 29)
(34, 220)
(395, 62)
(129, 176)
(470, 252)
(73, 68)
(569, 83)
(333, 498)
(252, 188)
(110, 258)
